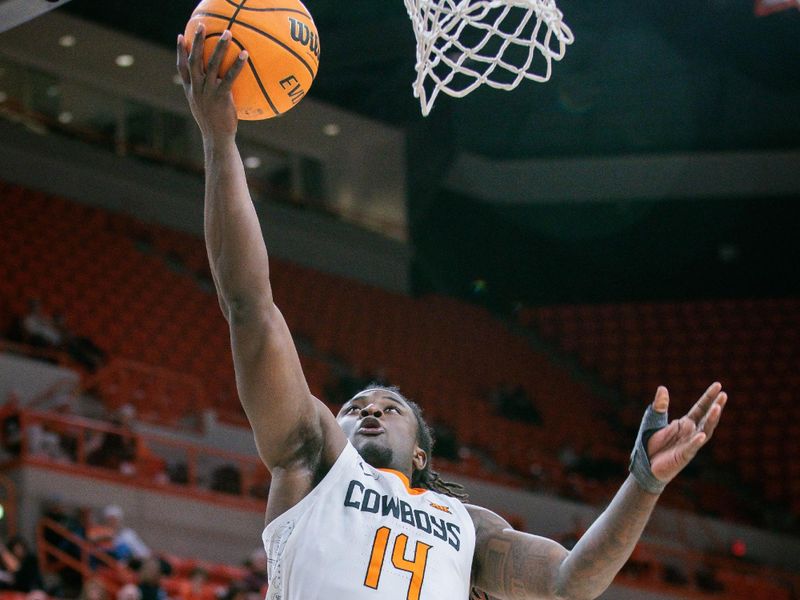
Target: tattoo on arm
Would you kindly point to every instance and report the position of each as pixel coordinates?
(517, 566)
(606, 546)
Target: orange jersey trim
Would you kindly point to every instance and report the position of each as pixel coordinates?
(406, 483)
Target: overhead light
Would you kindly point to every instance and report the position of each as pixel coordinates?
(67, 41)
(124, 60)
(252, 162)
(53, 91)
(65, 117)
(331, 129)
(3, 97)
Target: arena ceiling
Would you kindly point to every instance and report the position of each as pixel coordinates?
(640, 78)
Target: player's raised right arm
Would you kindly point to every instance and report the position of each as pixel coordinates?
(291, 427)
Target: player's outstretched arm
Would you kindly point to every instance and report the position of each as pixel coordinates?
(288, 422)
(515, 566)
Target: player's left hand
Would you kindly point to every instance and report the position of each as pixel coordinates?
(672, 448)
(207, 89)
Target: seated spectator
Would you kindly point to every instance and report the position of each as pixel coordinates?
(197, 588)
(20, 566)
(11, 430)
(54, 509)
(227, 479)
(706, 579)
(45, 441)
(446, 445)
(256, 579)
(514, 403)
(129, 591)
(115, 450)
(39, 329)
(121, 542)
(150, 580)
(80, 348)
(93, 589)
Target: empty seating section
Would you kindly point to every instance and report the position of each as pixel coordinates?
(752, 346)
(141, 293)
(133, 288)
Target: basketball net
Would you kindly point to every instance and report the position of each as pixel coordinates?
(463, 44)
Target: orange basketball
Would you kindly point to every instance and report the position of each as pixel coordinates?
(283, 46)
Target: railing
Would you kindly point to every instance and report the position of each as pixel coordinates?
(93, 448)
(89, 562)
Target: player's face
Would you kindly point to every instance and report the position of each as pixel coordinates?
(383, 428)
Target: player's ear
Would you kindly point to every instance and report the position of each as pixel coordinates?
(420, 458)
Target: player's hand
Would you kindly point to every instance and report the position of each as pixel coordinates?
(207, 90)
(672, 448)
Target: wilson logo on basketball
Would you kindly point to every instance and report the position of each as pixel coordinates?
(303, 35)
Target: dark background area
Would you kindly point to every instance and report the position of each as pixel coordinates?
(646, 78)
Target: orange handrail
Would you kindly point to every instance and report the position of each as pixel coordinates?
(83, 565)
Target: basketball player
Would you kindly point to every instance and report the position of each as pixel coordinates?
(355, 511)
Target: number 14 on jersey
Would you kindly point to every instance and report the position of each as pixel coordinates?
(415, 566)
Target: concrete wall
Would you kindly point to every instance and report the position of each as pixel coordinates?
(165, 522)
(28, 378)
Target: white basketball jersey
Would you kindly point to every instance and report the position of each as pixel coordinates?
(363, 534)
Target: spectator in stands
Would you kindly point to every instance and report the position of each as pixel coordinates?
(150, 580)
(123, 543)
(129, 591)
(11, 431)
(55, 510)
(227, 479)
(116, 450)
(256, 579)
(45, 441)
(38, 328)
(447, 445)
(81, 348)
(197, 588)
(513, 402)
(706, 579)
(93, 589)
(20, 567)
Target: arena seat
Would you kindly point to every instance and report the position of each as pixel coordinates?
(140, 291)
(751, 345)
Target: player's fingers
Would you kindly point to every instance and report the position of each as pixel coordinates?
(661, 401)
(183, 62)
(196, 54)
(711, 420)
(664, 438)
(701, 407)
(690, 449)
(233, 72)
(212, 71)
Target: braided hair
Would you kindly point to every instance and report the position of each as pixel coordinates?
(426, 477)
